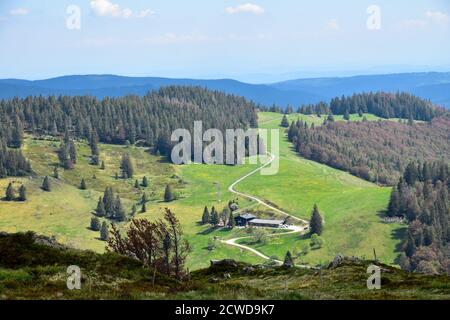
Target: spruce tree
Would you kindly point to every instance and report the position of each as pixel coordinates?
(100, 208)
(55, 173)
(285, 122)
(168, 194)
(22, 193)
(144, 198)
(144, 208)
(231, 221)
(205, 216)
(119, 212)
(83, 185)
(102, 166)
(145, 182)
(136, 184)
(126, 166)
(288, 260)
(214, 217)
(95, 224)
(104, 232)
(46, 186)
(315, 224)
(9, 192)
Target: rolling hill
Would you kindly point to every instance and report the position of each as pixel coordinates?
(434, 86)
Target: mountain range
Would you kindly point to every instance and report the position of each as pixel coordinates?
(434, 86)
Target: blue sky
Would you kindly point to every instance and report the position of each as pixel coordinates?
(251, 40)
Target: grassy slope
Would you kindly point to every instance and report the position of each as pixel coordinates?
(350, 206)
(40, 273)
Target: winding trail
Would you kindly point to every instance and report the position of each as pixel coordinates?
(294, 229)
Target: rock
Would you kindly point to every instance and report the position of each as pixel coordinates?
(224, 263)
(337, 261)
(248, 270)
(213, 280)
(227, 276)
(48, 241)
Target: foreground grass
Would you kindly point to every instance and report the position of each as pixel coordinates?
(32, 271)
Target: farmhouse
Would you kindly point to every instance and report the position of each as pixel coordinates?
(266, 223)
(243, 220)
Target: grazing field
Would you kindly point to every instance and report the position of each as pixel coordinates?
(351, 207)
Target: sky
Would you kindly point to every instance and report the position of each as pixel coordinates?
(251, 40)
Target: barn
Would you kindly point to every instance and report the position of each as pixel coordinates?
(244, 219)
(266, 223)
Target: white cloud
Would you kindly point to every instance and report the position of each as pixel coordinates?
(19, 12)
(245, 8)
(333, 24)
(106, 8)
(438, 17)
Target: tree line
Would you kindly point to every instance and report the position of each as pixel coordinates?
(422, 197)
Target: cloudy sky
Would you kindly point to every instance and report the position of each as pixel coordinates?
(251, 40)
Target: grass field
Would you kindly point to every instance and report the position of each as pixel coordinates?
(350, 206)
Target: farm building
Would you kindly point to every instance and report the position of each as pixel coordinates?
(243, 220)
(266, 223)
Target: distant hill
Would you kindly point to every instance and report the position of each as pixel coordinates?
(434, 86)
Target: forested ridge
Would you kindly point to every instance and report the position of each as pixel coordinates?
(147, 121)
(422, 197)
(375, 151)
(381, 104)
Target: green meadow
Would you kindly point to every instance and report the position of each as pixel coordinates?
(351, 207)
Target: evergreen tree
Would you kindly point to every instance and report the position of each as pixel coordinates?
(126, 166)
(133, 210)
(214, 217)
(144, 208)
(231, 221)
(119, 212)
(102, 166)
(288, 260)
(104, 232)
(22, 193)
(285, 122)
(346, 115)
(315, 225)
(205, 216)
(136, 184)
(168, 194)
(83, 184)
(100, 208)
(46, 186)
(72, 152)
(10, 192)
(144, 198)
(145, 182)
(55, 173)
(95, 224)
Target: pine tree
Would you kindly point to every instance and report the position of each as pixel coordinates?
(83, 184)
(285, 122)
(104, 232)
(72, 152)
(126, 166)
(136, 184)
(133, 210)
(231, 221)
(9, 192)
(347, 115)
(145, 182)
(214, 217)
(144, 198)
(46, 186)
(22, 193)
(95, 224)
(119, 212)
(100, 208)
(55, 173)
(315, 224)
(288, 260)
(168, 194)
(205, 216)
(102, 166)
(144, 208)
